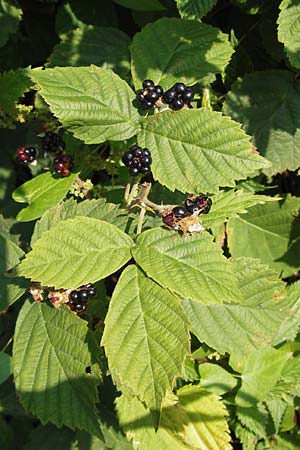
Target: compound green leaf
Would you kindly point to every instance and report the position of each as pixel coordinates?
(194, 9)
(192, 266)
(13, 85)
(267, 104)
(227, 204)
(5, 366)
(41, 192)
(270, 232)
(93, 103)
(261, 371)
(145, 351)
(240, 328)
(198, 150)
(76, 252)
(289, 30)
(141, 5)
(50, 356)
(188, 51)
(10, 253)
(105, 47)
(95, 208)
(196, 420)
(10, 16)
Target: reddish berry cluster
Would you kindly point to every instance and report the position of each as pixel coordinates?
(78, 299)
(62, 165)
(195, 206)
(138, 160)
(25, 155)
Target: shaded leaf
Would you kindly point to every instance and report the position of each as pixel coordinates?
(191, 266)
(10, 16)
(11, 289)
(198, 150)
(48, 437)
(91, 102)
(194, 9)
(5, 366)
(10, 253)
(141, 5)
(76, 252)
(13, 85)
(144, 350)
(289, 29)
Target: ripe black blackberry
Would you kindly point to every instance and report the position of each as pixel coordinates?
(178, 96)
(180, 212)
(149, 95)
(78, 299)
(25, 155)
(52, 143)
(62, 165)
(200, 204)
(138, 160)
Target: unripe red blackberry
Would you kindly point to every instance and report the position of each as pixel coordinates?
(26, 155)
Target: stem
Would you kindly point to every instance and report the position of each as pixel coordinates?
(141, 220)
(133, 193)
(127, 190)
(206, 99)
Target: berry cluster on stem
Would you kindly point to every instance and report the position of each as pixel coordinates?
(193, 206)
(138, 160)
(178, 96)
(52, 143)
(62, 165)
(78, 298)
(149, 95)
(26, 155)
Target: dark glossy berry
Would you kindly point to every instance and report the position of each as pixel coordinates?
(137, 152)
(146, 152)
(159, 90)
(179, 88)
(84, 295)
(136, 163)
(60, 166)
(188, 95)
(169, 95)
(147, 104)
(74, 296)
(203, 203)
(91, 292)
(30, 151)
(151, 96)
(22, 157)
(134, 171)
(147, 84)
(180, 211)
(140, 95)
(25, 155)
(192, 208)
(176, 104)
(127, 158)
(51, 142)
(146, 160)
(144, 169)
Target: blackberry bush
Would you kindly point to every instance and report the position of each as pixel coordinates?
(149, 234)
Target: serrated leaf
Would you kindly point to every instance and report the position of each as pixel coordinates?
(144, 350)
(192, 266)
(253, 323)
(227, 204)
(76, 252)
(289, 29)
(50, 355)
(11, 289)
(5, 366)
(41, 192)
(290, 327)
(10, 16)
(13, 85)
(10, 253)
(188, 51)
(91, 102)
(194, 9)
(254, 419)
(271, 232)
(105, 47)
(95, 208)
(48, 437)
(197, 420)
(267, 104)
(198, 150)
(141, 5)
(262, 369)
(216, 379)
(277, 409)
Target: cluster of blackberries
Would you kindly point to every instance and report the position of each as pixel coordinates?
(51, 142)
(200, 204)
(78, 299)
(149, 95)
(178, 96)
(62, 165)
(25, 155)
(138, 160)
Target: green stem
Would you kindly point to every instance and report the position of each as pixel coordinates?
(206, 99)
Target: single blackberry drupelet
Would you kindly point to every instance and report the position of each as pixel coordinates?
(149, 94)
(138, 160)
(26, 155)
(78, 299)
(62, 165)
(178, 96)
(52, 143)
